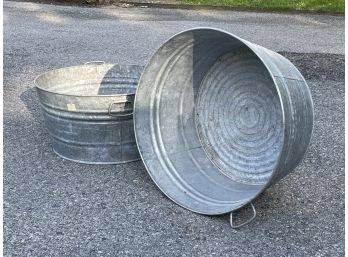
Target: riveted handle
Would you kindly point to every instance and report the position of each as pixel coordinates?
(245, 222)
(95, 62)
(118, 115)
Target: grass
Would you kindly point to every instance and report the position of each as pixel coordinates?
(276, 5)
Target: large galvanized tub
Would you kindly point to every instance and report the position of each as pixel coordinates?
(219, 119)
(88, 111)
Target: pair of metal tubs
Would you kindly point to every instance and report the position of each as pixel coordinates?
(217, 119)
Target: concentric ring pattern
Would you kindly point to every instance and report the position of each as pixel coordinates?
(239, 118)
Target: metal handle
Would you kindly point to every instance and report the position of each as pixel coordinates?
(244, 223)
(95, 62)
(118, 115)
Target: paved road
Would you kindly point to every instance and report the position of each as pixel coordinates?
(55, 207)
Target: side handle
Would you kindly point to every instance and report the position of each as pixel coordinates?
(245, 222)
(117, 114)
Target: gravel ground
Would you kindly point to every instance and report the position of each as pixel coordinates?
(55, 207)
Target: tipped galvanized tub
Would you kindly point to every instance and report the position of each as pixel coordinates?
(219, 119)
(88, 111)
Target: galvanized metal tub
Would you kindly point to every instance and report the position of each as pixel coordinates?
(219, 119)
(88, 110)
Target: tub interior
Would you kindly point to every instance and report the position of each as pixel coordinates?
(91, 80)
(239, 117)
(217, 118)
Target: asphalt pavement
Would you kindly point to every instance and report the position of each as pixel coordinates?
(55, 207)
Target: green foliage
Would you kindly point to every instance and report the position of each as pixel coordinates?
(286, 5)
